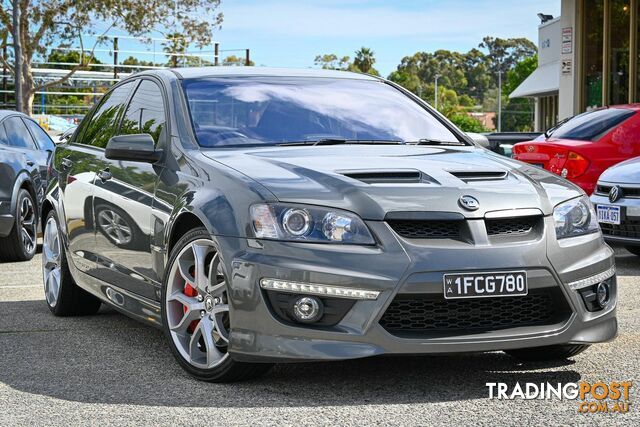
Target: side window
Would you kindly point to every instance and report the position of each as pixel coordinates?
(41, 137)
(103, 122)
(146, 112)
(17, 134)
(3, 136)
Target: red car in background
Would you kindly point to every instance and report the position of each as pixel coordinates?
(584, 146)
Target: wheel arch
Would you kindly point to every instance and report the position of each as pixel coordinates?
(22, 182)
(184, 222)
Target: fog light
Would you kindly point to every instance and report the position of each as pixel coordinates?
(602, 294)
(307, 309)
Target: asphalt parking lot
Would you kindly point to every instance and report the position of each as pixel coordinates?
(110, 369)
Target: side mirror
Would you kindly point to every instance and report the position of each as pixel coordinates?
(133, 148)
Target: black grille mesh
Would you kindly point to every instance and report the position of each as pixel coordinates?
(426, 313)
(603, 190)
(511, 226)
(427, 229)
(626, 229)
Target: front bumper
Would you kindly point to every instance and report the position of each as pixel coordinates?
(628, 232)
(400, 266)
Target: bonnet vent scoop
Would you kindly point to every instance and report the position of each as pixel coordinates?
(388, 176)
(468, 176)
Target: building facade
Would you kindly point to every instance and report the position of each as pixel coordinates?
(588, 58)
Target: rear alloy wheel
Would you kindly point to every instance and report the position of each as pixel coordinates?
(20, 245)
(196, 312)
(63, 296)
(547, 353)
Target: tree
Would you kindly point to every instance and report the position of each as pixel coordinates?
(236, 61)
(517, 114)
(504, 54)
(64, 22)
(176, 47)
(330, 61)
(364, 59)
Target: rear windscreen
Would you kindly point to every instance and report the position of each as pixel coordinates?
(592, 125)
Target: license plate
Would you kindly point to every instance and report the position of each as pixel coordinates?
(478, 285)
(609, 214)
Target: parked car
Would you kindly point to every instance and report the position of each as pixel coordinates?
(617, 201)
(25, 151)
(583, 147)
(503, 142)
(305, 215)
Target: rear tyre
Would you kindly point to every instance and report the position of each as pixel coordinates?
(20, 244)
(633, 249)
(195, 312)
(63, 296)
(548, 353)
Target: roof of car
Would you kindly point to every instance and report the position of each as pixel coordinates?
(5, 113)
(199, 72)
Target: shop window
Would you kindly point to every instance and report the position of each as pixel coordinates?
(619, 15)
(593, 53)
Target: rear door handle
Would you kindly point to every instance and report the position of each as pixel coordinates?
(66, 163)
(104, 175)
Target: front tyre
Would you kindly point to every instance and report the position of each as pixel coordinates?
(63, 296)
(548, 353)
(195, 312)
(20, 244)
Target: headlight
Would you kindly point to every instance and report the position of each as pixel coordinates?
(308, 224)
(574, 218)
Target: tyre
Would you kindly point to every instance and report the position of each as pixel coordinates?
(633, 249)
(548, 353)
(20, 244)
(63, 296)
(117, 226)
(195, 312)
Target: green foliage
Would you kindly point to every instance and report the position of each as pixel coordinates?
(363, 62)
(519, 73)
(467, 123)
(234, 60)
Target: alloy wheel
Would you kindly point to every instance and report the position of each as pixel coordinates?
(197, 307)
(27, 225)
(51, 255)
(114, 226)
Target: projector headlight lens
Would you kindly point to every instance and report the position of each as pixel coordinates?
(574, 218)
(278, 221)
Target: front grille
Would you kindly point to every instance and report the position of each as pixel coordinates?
(603, 190)
(418, 229)
(511, 226)
(628, 228)
(433, 315)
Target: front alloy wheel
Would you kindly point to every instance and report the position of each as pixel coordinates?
(196, 312)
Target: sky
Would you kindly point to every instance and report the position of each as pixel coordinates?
(290, 33)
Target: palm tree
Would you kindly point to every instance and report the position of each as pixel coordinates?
(364, 59)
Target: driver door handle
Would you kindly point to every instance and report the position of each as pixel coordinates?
(104, 175)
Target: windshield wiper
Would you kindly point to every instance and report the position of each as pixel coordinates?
(338, 141)
(429, 141)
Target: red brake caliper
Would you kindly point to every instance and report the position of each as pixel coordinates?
(190, 291)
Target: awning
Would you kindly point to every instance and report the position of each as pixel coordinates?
(545, 80)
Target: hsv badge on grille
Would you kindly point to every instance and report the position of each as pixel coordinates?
(615, 193)
(469, 203)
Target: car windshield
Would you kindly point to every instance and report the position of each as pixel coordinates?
(591, 125)
(231, 111)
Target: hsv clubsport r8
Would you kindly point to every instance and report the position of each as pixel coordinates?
(261, 216)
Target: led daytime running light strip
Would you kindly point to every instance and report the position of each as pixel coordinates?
(316, 289)
(593, 280)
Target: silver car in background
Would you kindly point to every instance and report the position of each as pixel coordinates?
(617, 202)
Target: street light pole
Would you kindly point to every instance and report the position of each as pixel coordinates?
(436, 93)
(500, 101)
